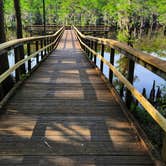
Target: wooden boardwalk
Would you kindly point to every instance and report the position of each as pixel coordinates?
(64, 115)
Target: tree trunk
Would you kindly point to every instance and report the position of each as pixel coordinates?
(164, 30)
(18, 18)
(6, 85)
(141, 28)
(19, 32)
(44, 17)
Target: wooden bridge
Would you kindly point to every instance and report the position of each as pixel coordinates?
(88, 30)
(66, 113)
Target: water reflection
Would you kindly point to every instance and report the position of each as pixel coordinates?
(11, 59)
(143, 78)
(153, 44)
(156, 45)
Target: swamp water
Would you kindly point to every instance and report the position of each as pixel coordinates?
(143, 78)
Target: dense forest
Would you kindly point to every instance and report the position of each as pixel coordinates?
(141, 14)
(131, 19)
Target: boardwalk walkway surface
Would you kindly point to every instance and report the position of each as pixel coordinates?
(64, 115)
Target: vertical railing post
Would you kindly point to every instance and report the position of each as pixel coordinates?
(95, 48)
(84, 48)
(91, 54)
(85, 41)
(121, 91)
(102, 54)
(41, 46)
(130, 77)
(112, 55)
(53, 40)
(49, 48)
(82, 44)
(1, 92)
(50, 41)
(163, 153)
(28, 54)
(88, 50)
(45, 50)
(37, 48)
(58, 39)
(17, 58)
(52, 46)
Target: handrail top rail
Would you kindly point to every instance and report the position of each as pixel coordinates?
(92, 26)
(154, 113)
(55, 25)
(47, 25)
(14, 42)
(154, 61)
(17, 64)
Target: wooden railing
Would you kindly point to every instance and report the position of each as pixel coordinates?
(87, 29)
(91, 28)
(90, 44)
(36, 47)
(40, 28)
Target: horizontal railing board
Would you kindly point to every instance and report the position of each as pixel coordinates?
(11, 44)
(147, 58)
(155, 114)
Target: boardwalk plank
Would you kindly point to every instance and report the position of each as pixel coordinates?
(64, 115)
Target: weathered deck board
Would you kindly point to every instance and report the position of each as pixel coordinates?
(64, 115)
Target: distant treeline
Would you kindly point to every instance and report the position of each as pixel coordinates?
(135, 15)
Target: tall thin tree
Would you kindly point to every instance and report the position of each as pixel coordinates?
(4, 64)
(19, 31)
(44, 17)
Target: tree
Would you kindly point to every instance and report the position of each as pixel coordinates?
(161, 9)
(4, 64)
(19, 33)
(144, 16)
(38, 17)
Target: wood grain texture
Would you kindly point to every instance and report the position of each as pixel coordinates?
(64, 115)
(154, 113)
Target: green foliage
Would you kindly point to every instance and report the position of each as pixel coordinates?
(161, 9)
(121, 12)
(156, 44)
(132, 17)
(151, 128)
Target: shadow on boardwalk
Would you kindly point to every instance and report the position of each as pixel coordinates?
(64, 115)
